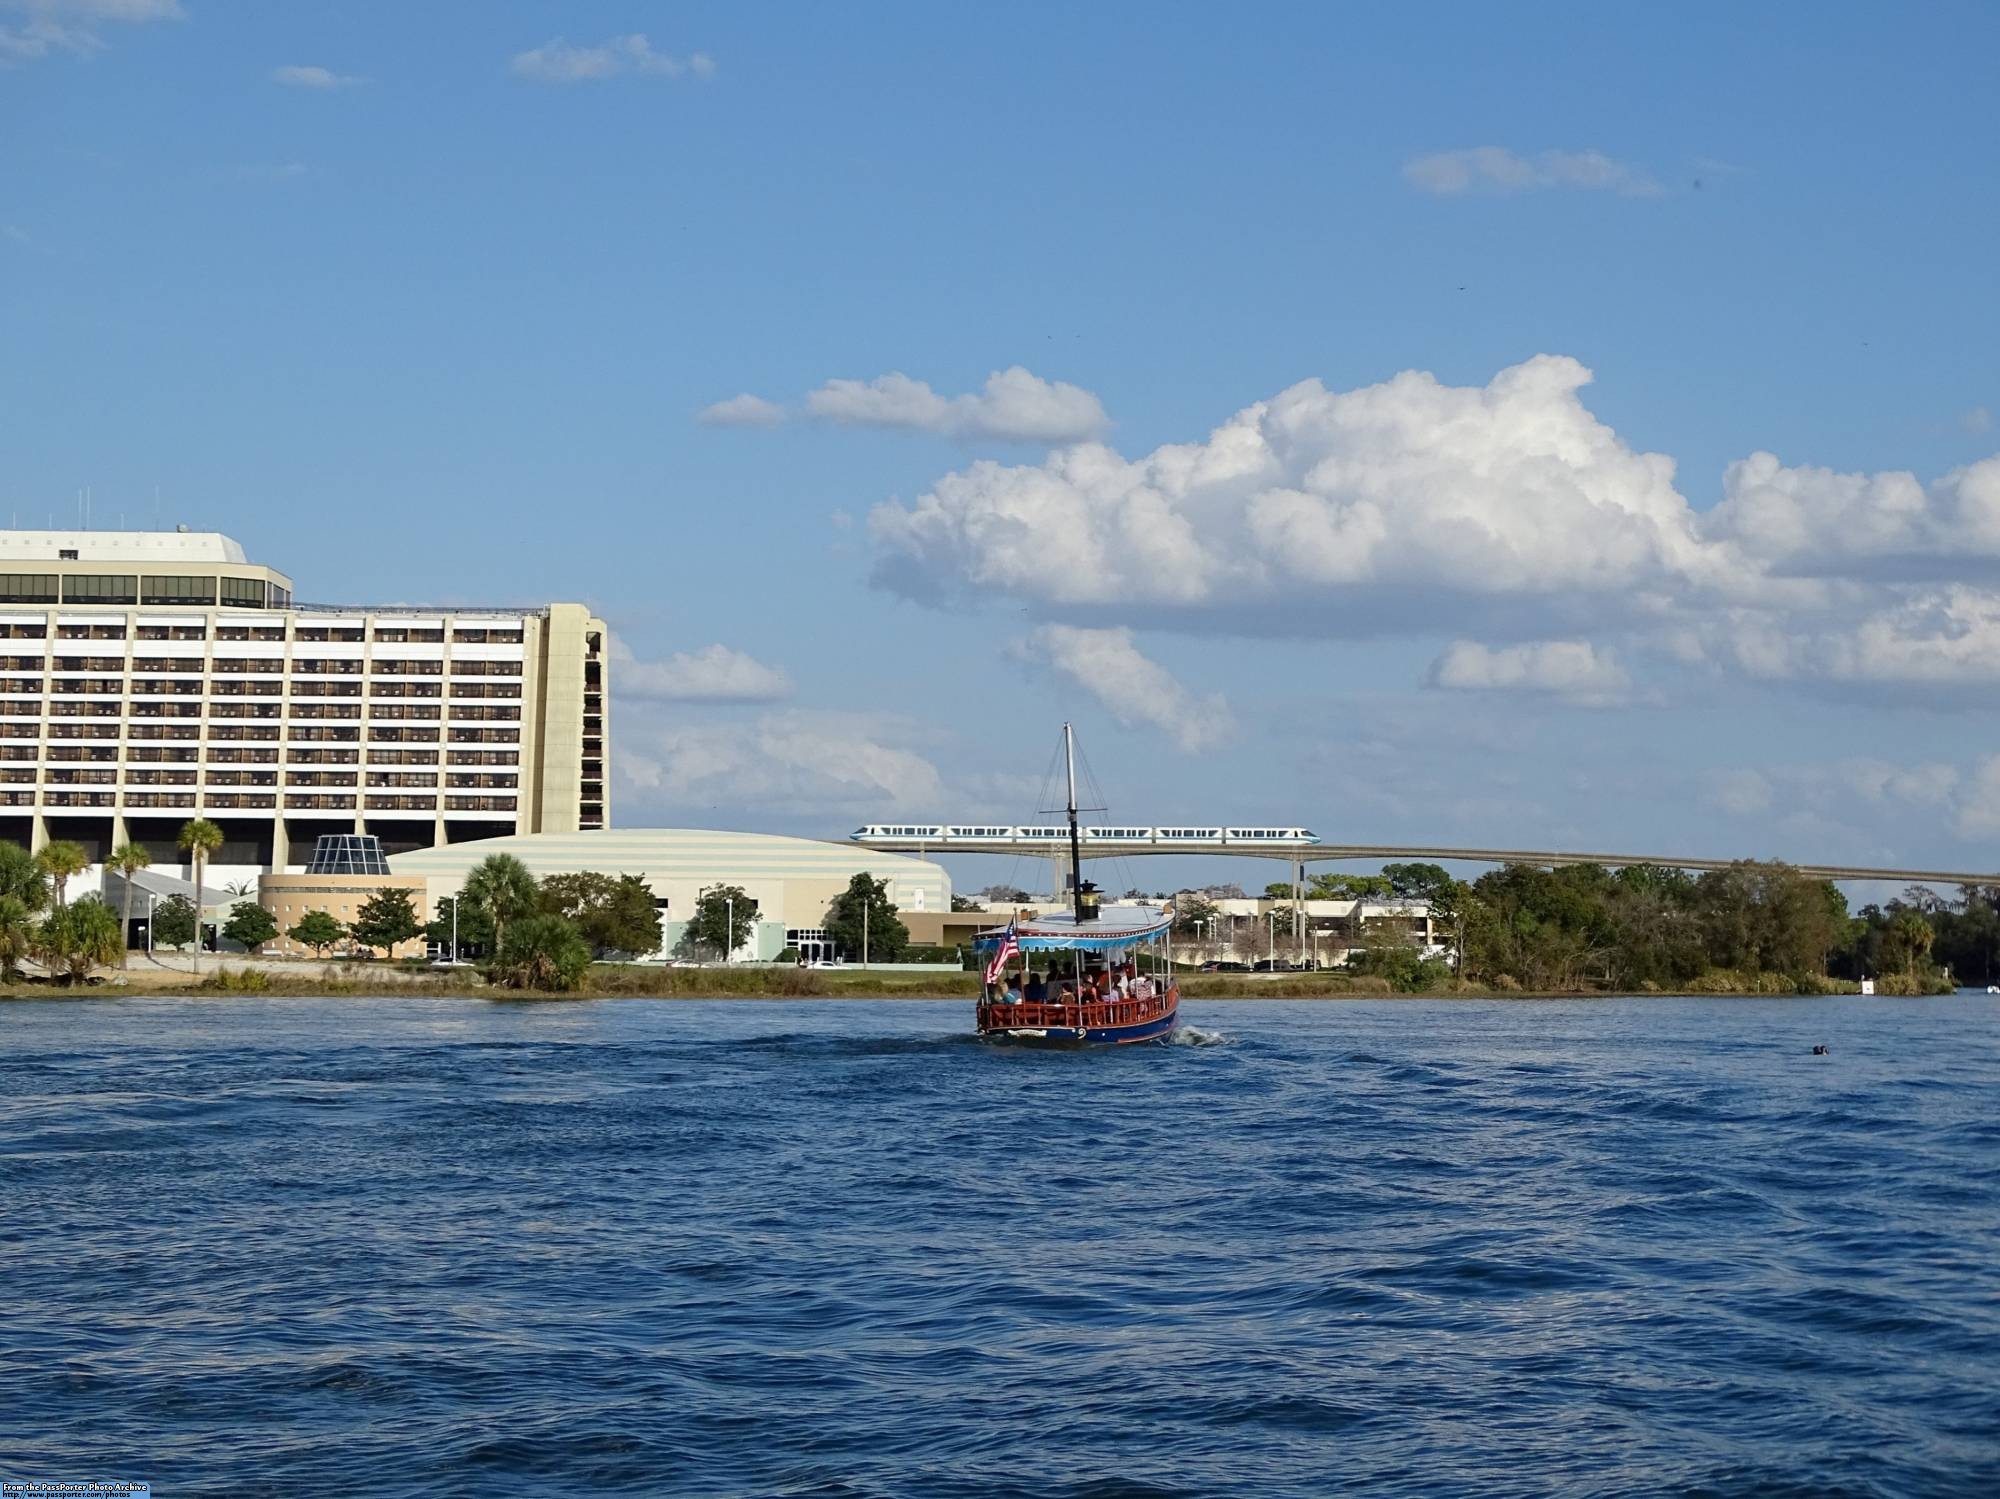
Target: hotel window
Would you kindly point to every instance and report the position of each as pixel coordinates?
(281, 598)
(24, 632)
(100, 588)
(27, 588)
(243, 593)
(178, 591)
(485, 689)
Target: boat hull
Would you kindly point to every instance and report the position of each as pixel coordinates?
(1082, 1025)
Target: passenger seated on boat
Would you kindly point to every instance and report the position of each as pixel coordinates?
(1013, 991)
(1036, 990)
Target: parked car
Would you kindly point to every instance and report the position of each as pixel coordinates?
(1213, 966)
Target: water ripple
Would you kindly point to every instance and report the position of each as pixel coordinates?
(428, 1247)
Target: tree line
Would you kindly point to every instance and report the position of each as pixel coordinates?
(73, 938)
(1754, 925)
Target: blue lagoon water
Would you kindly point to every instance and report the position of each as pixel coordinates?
(423, 1247)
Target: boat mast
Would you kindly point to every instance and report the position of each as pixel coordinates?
(1075, 839)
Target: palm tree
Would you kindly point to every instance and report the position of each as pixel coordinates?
(18, 933)
(1914, 936)
(75, 939)
(60, 860)
(21, 876)
(128, 859)
(501, 885)
(199, 838)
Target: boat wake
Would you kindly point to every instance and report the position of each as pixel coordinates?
(1194, 1035)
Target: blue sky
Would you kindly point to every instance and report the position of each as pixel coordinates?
(467, 276)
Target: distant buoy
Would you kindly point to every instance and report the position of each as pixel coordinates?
(1821, 1051)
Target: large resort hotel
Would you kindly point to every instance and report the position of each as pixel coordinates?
(150, 677)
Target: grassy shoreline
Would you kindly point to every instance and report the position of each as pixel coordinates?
(361, 981)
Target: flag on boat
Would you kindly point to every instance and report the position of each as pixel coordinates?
(1010, 947)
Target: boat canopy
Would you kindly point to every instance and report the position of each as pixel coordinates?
(1116, 928)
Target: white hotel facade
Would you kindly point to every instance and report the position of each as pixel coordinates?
(150, 677)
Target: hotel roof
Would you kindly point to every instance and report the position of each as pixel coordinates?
(121, 546)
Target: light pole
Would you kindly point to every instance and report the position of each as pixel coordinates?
(864, 931)
(1271, 938)
(150, 898)
(454, 926)
(729, 927)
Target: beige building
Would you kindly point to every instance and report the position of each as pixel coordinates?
(344, 873)
(150, 677)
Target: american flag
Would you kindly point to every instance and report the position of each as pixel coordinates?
(1010, 947)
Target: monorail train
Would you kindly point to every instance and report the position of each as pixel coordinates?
(908, 832)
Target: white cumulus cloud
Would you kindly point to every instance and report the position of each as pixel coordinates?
(45, 26)
(1137, 691)
(312, 78)
(713, 674)
(1572, 669)
(1014, 405)
(1816, 522)
(1979, 803)
(795, 761)
(745, 410)
(1506, 511)
(1495, 169)
(562, 61)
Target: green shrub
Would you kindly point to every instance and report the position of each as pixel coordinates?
(541, 952)
(236, 981)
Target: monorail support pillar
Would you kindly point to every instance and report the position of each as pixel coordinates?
(1299, 907)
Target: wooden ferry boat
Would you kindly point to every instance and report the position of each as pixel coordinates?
(1089, 989)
